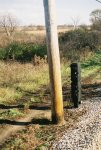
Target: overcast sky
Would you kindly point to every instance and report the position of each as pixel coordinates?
(32, 12)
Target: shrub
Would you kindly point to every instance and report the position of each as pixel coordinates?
(2, 54)
(23, 52)
(74, 43)
(78, 39)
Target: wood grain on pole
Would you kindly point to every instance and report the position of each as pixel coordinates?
(54, 61)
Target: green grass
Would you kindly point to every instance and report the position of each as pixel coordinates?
(65, 73)
(9, 95)
(11, 114)
(93, 61)
(92, 67)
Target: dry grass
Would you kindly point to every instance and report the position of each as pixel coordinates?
(28, 36)
(19, 81)
(40, 134)
(23, 37)
(42, 32)
(15, 78)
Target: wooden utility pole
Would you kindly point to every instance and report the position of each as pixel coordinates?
(54, 62)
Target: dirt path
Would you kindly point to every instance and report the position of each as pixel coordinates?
(21, 123)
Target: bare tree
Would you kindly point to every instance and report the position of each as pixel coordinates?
(9, 24)
(96, 19)
(98, 1)
(75, 21)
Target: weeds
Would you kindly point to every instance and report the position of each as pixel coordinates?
(11, 114)
(19, 81)
(93, 61)
(16, 79)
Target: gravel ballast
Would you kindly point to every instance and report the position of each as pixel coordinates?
(86, 133)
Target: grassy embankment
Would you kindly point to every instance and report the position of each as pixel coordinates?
(18, 79)
(26, 84)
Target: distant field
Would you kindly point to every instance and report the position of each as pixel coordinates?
(42, 32)
(36, 32)
(26, 35)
